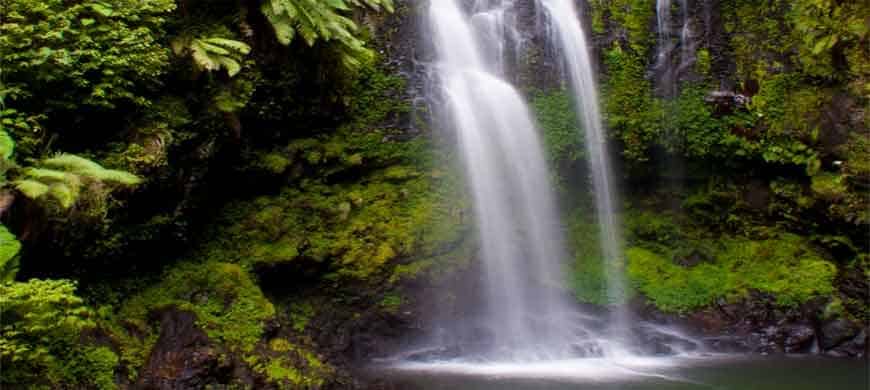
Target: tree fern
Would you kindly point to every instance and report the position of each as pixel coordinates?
(213, 53)
(64, 177)
(321, 20)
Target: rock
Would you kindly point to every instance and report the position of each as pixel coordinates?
(183, 357)
(694, 258)
(726, 102)
(856, 347)
(798, 338)
(836, 332)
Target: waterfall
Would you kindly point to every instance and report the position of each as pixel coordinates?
(514, 206)
(670, 63)
(571, 40)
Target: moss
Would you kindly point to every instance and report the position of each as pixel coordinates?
(563, 136)
(289, 366)
(634, 17)
(829, 186)
(228, 304)
(588, 276)
(300, 315)
(631, 112)
(88, 367)
(783, 265)
(344, 218)
(391, 302)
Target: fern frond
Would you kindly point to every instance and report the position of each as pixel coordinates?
(45, 174)
(118, 177)
(64, 194)
(212, 54)
(72, 163)
(31, 188)
(7, 145)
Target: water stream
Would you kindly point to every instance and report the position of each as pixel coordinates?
(573, 48)
(514, 206)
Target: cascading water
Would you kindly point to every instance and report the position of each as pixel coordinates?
(526, 320)
(571, 40)
(670, 63)
(507, 174)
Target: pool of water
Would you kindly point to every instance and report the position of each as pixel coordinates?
(688, 373)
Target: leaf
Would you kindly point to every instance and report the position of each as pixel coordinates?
(7, 145)
(64, 195)
(31, 188)
(9, 248)
(102, 9)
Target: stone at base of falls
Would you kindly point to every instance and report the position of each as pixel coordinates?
(184, 357)
(757, 325)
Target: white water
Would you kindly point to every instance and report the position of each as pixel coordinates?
(513, 201)
(571, 39)
(669, 62)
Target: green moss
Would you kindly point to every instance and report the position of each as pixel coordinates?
(395, 205)
(391, 302)
(300, 315)
(228, 304)
(563, 136)
(9, 248)
(588, 276)
(634, 17)
(88, 367)
(783, 265)
(829, 186)
(376, 94)
(631, 113)
(43, 342)
(289, 366)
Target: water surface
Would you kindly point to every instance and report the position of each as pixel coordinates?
(720, 373)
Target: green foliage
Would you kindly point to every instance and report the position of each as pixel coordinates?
(289, 366)
(89, 52)
(9, 248)
(212, 53)
(356, 227)
(391, 302)
(783, 265)
(829, 186)
(65, 177)
(326, 21)
(588, 276)
(40, 341)
(630, 17)
(630, 110)
(825, 27)
(563, 136)
(228, 305)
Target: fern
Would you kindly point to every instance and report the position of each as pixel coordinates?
(9, 248)
(213, 53)
(321, 20)
(87, 168)
(64, 176)
(31, 188)
(7, 145)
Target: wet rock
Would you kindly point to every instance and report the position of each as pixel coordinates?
(836, 332)
(798, 338)
(726, 102)
(856, 347)
(692, 259)
(183, 357)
